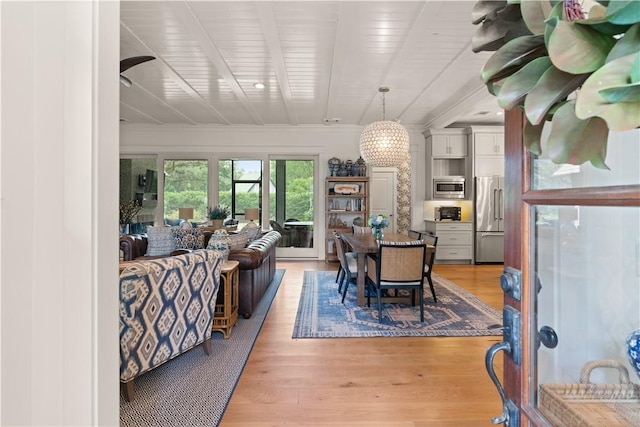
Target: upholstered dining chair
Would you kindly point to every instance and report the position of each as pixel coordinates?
(358, 229)
(430, 239)
(348, 263)
(340, 274)
(413, 234)
(397, 265)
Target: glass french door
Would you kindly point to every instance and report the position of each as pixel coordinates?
(573, 233)
(292, 202)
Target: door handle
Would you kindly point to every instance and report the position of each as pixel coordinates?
(501, 203)
(495, 209)
(512, 345)
(548, 337)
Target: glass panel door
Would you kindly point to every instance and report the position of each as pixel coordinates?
(292, 205)
(587, 268)
(585, 288)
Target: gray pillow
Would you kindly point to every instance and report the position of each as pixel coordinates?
(238, 241)
(160, 241)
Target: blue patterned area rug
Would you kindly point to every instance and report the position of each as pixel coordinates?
(194, 389)
(321, 313)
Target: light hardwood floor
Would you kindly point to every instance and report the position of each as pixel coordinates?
(385, 382)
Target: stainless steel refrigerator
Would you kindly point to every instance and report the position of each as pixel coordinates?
(489, 219)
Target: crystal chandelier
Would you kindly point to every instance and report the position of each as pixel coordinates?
(385, 142)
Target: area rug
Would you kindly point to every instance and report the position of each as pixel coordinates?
(321, 313)
(194, 389)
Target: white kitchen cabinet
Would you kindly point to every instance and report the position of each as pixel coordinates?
(487, 144)
(449, 145)
(446, 155)
(455, 241)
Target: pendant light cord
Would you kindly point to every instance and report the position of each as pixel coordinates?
(383, 107)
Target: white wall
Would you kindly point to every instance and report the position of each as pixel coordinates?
(59, 151)
(324, 141)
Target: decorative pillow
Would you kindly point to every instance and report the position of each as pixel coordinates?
(191, 238)
(238, 240)
(160, 241)
(252, 231)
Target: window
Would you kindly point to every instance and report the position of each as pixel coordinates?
(185, 186)
(139, 182)
(240, 185)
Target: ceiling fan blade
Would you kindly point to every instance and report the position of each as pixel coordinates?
(125, 81)
(127, 63)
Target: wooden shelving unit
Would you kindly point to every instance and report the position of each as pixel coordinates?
(342, 209)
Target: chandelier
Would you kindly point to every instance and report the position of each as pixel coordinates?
(385, 142)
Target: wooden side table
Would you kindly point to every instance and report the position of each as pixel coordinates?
(226, 314)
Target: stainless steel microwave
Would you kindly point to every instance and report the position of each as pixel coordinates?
(448, 187)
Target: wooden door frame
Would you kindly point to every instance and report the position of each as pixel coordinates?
(519, 197)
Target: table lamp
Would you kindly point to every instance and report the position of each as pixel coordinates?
(251, 214)
(186, 214)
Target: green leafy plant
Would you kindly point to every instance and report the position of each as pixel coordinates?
(218, 212)
(577, 68)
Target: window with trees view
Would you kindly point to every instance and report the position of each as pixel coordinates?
(240, 185)
(186, 186)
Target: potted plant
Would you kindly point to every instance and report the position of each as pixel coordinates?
(128, 211)
(571, 63)
(217, 215)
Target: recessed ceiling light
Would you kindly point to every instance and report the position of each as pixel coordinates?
(499, 113)
(259, 85)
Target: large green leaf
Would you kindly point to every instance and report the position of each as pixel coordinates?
(623, 93)
(534, 13)
(628, 44)
(513, 55)
(635, 70)
(517, 85)
(598, 21)
(590, 102)
(623, 11)
(482, 8)
(489, 37)
(550, 24)
(553, 86)
(576, 141)
(578, 49)
(532, 136)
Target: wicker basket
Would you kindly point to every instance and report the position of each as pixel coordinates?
(588, 404)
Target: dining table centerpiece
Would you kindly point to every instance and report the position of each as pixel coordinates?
(378, 222)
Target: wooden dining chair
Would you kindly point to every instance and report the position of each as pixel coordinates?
(358, 229)
(397, 265)
(348, 264)
(430, 239)
(415, 235)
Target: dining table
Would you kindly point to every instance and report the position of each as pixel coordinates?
(363, 244)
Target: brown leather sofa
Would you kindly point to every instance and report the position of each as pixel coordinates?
(257, 264)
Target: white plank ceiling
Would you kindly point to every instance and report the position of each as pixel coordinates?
(321, 61)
